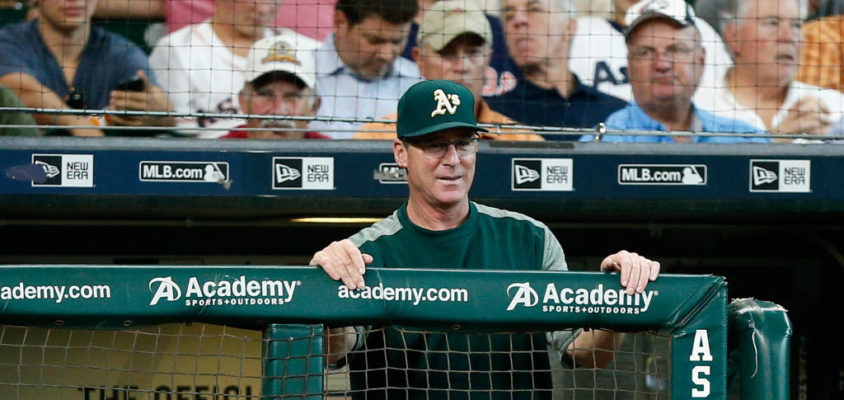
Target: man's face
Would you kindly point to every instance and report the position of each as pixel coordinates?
(664, 63)
(464, 60)
(439, 180)
(250, 17)
(277, 97)
(67, 15)
(369, 47)
(533, 31)
(769, 39)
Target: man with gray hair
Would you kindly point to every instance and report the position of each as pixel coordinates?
(666, 61)
(538, 35)
(760, 89)
(280, 79)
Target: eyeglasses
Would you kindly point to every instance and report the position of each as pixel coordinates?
(436, 150)
(671, 53)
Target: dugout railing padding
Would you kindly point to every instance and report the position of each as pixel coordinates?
(289, 301)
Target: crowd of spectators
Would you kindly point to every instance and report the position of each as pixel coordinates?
(737, 70)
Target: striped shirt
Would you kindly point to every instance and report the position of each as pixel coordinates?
(823, 53)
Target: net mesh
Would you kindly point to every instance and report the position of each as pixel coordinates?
(174, 361)
(202, 77)
(203, 361)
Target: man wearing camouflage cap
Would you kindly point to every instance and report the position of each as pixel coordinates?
(439, 227)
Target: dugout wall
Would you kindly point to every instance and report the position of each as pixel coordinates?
(773, 244)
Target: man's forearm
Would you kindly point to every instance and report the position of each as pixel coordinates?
(595, 347)
(141, 9)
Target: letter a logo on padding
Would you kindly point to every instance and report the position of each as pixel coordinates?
(445, 103)
(525, 295)
(167, 289)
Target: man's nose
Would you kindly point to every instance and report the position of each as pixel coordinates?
(280, 108)
(518, 18)
(388, 52)
(788, 33)
(451, 156)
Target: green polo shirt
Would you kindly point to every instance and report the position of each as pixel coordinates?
(9, 99)
(399, 362)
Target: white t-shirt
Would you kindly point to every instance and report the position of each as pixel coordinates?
(598, 56)
(202, 75)
(720, 101)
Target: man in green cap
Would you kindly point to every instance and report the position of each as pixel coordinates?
(439, 227)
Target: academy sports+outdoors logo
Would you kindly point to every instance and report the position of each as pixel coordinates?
(597, 300)
(236, 292)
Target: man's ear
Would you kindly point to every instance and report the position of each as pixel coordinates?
(416, 53)
(730, 36)
(400, 153)
(315, 106)
(341, 21)
(244, 104)
(571, 29)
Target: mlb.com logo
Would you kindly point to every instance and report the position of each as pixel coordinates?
(303, 173)
(786, 176)
(543, 174)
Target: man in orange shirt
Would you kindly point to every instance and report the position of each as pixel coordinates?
(454, 43)
(822, 63)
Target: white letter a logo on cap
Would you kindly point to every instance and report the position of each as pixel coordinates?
(445, 103)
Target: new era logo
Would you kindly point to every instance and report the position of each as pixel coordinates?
(544, 174)
(787, 176)
(285, 173)
(762, 176)
(524, 174)
(306, 173)
(64, 170)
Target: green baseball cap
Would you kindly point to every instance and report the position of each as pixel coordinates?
(433, 106)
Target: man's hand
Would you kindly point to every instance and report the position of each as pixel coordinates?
(338, 342)
(343, 261)
(808, 115)
(636, 271)
(152, 98)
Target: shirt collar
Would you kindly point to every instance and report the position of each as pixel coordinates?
(328, 61)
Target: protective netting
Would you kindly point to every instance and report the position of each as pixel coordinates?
(200, 361)
(200, 76)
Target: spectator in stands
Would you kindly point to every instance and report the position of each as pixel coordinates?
(538, 35)
(666, 60)
(822, 62)
(280, 80)
(201, 66)
(439, 227)
(599, 55)
(8, 118)
(312, 18)
(453, 44)
(360, 72)
(60, 61)
(760, 89)
(501, 73)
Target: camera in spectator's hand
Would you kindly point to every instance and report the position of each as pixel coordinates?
(133, 84)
